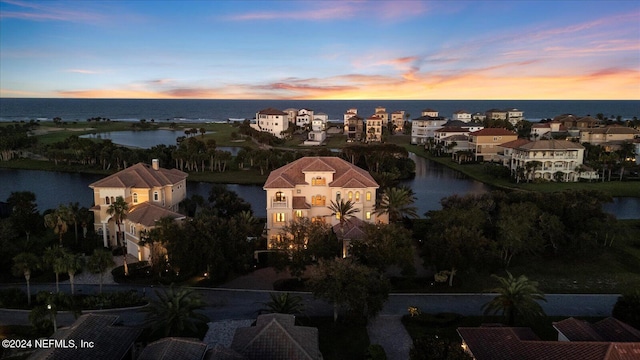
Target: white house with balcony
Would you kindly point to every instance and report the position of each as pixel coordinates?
(556, 160)
(151, 193)
(306, 187)
(424, 127)
(461, 115)
(273, 121)
(304, 117)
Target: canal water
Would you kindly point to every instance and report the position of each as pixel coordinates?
(431, 183)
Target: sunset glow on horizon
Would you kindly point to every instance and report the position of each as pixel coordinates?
(316, 50)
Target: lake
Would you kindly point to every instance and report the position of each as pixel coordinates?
(431, 183)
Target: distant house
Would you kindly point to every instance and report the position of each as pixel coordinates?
(485, 143)
(272, 121)
(382, 113)
(151, 193)
(461, 115)
(424, 127)
(304, 117)
(397, 119)
(349, 114)
(496, 114)
(306, 187)
(354, 128)
(610, 135)
(514, 116)
(373, 128)
(547, 130)
(608, 339)
(570, 121)
(275, 336)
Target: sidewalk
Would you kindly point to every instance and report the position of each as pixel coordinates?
(388, 331)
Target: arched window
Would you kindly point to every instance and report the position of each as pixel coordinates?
(318, 200)
(106, 200)
(338, 196)
(155, 196)
(357, 196)
(113, 200)
(280, 196)
(135, 198)
(350, 196)
(318, 181)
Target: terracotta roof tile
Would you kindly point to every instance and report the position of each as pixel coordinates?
(299, 202)
(550, 145)
(141, 175)
(292, 174)
(147, 214)
(515, 143)
(492, 131)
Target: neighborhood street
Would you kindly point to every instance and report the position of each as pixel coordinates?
(245, 304)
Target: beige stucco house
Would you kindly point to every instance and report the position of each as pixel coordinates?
(609, 134)
(306, 187)
(554, 157)
(485, 143)
(151, 193)
(273, 121)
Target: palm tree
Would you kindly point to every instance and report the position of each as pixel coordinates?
(284, 304)
(119, 209)
(517, 297)
(99, 262)
(174, 313)
(23, 264)
(72, 263)
(53, 258)
(344, 211)
(75, 214)
(397, 203)
(57, 220)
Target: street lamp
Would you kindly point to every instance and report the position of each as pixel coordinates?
(53, 317)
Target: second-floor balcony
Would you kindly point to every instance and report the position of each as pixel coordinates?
(279, 204)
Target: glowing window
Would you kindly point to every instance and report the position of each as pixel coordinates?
(279, 217)
(135, 198)
(357, 196)
(368, 197)
(350, 196)
(280, 196)
(368, 215)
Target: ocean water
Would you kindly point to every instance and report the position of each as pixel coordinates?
(22, 109)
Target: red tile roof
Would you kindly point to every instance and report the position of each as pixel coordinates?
(141, 175)
(147, 214)
(272, 111)
(492, 132)
(515, 143)
(345, 174)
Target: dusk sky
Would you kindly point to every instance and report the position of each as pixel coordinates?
(321, 49)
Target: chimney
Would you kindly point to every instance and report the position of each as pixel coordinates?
(155, 164)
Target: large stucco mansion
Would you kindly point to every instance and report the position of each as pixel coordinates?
(151, 193)
(306, 187)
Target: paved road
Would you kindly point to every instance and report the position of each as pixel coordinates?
(244, 304)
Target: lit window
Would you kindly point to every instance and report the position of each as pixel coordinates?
(318, 200)
(318, 181)
(350, 195)
(299, 213)
(368, 195)
(135, 198)
(337, 216)
(357, 196)
(279, 217)
(368, 215)
(280, 196)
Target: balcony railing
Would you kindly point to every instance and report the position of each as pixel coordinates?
(279, 204)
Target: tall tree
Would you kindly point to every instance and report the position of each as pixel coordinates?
(174, 313)
(99, 262)
(23, 264)
(24, 212)
(57, 220)
(517, 299)
(345, 283)
(343, 210)
(397, 203)
(53, 258)
(119, 210)
(72, 263)
(383, 246)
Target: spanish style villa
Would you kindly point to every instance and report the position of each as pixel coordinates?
(424, 127)
(608, 136)
(151, 193)
(461, 115)
(397, 119)
(306, 187)
(354, 128)
(558, 160)
(272, 121)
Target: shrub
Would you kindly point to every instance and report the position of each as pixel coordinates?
(12, 298)
(376, 352)
(627, 309)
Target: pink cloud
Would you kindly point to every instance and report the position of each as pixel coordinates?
(40, 12)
